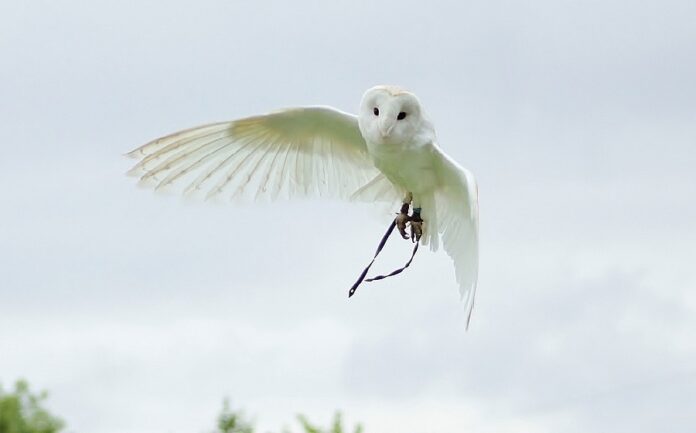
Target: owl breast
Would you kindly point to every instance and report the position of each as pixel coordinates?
(408, 166)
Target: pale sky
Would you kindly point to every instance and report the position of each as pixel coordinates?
(140, 312)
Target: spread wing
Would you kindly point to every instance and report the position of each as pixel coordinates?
(457, 224)
(288, 153)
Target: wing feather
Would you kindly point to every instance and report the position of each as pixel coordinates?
(457, 224)
(292, 152)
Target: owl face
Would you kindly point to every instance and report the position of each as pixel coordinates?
(389, 115)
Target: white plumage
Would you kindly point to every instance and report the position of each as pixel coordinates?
(386, 152)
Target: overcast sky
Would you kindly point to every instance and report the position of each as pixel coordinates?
(139, 312)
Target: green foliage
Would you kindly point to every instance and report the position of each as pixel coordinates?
(230, 421)
(336, 426)
(21, 412)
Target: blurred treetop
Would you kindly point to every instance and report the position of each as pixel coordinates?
(230, 421)
(21, 411)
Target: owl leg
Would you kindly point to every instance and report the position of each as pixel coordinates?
(402, 217)
(416, 225)
(416, 221)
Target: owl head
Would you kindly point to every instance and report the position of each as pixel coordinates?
(389, 115)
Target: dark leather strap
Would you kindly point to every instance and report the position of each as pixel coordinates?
(383, 242)
(398, 271)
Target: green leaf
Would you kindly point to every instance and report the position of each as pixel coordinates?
(21, 411)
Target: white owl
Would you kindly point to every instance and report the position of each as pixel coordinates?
(386, 153)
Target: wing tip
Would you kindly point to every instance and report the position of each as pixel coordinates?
(136, 171)
(467, 295)
(135, 153)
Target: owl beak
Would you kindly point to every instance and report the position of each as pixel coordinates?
(385, 130)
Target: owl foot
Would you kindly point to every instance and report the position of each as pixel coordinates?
(401, 219)
(415, 220)
(416, 225)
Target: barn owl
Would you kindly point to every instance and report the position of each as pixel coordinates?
(387, 153)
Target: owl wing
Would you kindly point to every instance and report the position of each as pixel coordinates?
(288, 153)
(457, 223)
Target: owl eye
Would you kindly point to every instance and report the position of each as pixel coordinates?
(376, 111)
(401, 116)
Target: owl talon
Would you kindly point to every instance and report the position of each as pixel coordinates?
(401, 219)
(416, 225)
(416, 230)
